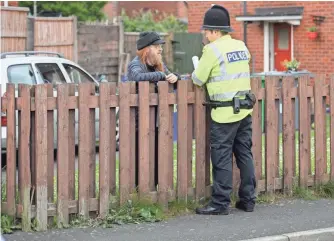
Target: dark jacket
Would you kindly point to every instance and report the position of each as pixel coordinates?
(138, 71)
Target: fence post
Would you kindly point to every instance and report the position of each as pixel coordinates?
(124, 140)
(319, 120)
(288, 135)
(200, 136)
(105, 149)
(182, 136)
(257, 130)
(144, 139)
(304, 131)
(163, 149)
(63, 155)
(86, 164)
(41, 157)
(24, 156)
(11, 151)
(271, 134)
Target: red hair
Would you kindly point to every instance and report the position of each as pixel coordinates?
(143, 56)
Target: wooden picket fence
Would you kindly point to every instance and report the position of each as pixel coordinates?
(35, 194)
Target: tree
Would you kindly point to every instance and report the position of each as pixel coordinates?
(85, 11)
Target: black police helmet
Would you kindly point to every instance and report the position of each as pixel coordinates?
(217, 18)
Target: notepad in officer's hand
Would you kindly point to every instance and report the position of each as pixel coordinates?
(195, 61)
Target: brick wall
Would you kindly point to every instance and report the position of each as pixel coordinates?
(11, 3)
(315, 55)
(182, 10)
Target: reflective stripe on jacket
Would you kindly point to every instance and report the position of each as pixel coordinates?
(224, 68)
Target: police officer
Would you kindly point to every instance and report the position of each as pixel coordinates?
(224, 70)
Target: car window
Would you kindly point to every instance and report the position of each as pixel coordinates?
(77, 75)
(21, 74)
(51, 73)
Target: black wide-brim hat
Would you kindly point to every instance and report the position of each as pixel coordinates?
(217, 18)
(147, 39)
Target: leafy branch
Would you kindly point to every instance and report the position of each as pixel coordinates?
(152, 21)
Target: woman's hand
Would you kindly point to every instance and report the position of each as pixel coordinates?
(171, 78)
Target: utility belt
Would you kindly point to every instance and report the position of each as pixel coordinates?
(236, 103)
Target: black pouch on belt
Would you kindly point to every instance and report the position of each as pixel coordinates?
(236, 105)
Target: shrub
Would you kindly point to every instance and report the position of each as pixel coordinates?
(152, 21)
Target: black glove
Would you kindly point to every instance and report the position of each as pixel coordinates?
(251, 97)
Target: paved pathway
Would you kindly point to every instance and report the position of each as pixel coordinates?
(283, 217)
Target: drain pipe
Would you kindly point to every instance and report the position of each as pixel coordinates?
(245, 33)
(245, 22)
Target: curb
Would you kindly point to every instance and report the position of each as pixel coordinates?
(324, 234)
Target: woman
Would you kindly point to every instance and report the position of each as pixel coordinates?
(148, 66)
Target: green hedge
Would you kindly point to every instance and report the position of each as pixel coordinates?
(152, 21)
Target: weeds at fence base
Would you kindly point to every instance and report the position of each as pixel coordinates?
(137, 211)
(9, 224)
(131, 212)
(311, 193)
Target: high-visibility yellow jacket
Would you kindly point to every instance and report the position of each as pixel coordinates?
(224, 68)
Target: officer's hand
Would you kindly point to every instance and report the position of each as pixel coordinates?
(171, 78)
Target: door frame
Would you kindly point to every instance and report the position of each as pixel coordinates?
(269, 48)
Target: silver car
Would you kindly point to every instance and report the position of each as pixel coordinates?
(33, 67)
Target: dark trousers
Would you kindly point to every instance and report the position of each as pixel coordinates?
(226, 139)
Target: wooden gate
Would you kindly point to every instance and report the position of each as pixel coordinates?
(185, 46)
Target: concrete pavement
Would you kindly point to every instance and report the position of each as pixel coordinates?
(323, 234)
(284, 217)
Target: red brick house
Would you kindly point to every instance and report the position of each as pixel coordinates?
(10, 3)
(278, 30)
(177, 8)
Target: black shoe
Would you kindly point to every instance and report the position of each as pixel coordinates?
(245, 207)
(209, 210)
